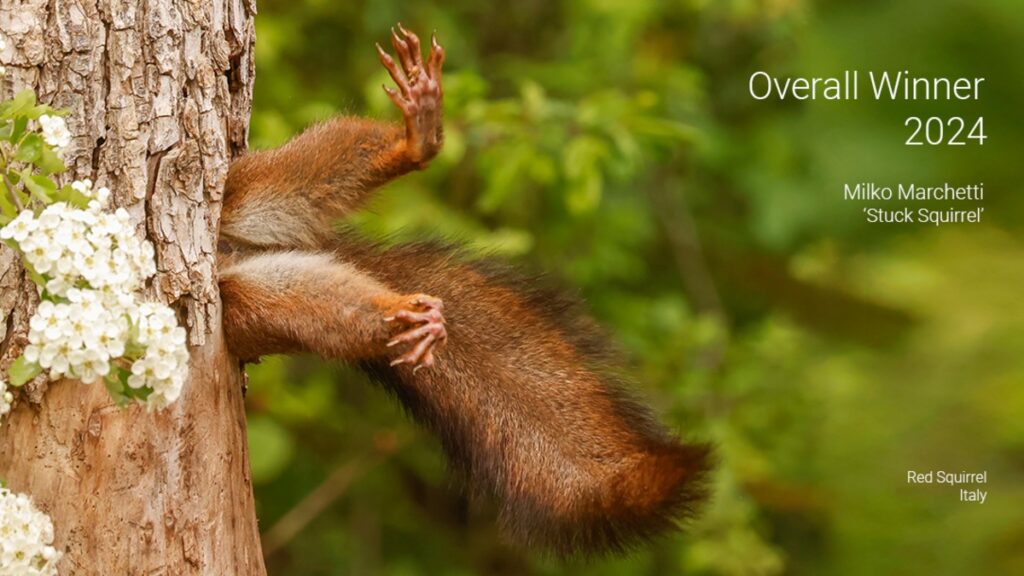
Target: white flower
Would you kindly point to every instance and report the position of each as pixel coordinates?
(6, 398)
(99, 197)
(83, 186)
(82, 337)
(55, 131)
(73, 247)
(19, 228)
(102, 196)
(111, 339)
(49, 320)
(26, 538)
(31, 353)
(93, 263)
(164, 368)
(91, 364)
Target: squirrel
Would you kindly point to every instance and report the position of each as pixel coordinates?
(514, 380)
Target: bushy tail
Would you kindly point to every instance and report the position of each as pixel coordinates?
(527, 412)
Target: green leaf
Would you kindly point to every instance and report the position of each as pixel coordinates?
(20, 124)
(22, 371)
(19, 105)
(49, 162)
(23, 197)
(40, 186)
(132, 348)
(44, 182)
(139, 394)
(37, 111)
(116, 384)
(30, 149)
(7, 208)
(71, 196)
(582, 160)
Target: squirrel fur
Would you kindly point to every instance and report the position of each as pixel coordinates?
(514, 380)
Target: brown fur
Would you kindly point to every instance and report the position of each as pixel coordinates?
(329, 170)
(530, 413)
(288, 197)
(523, 394)
(287, 302)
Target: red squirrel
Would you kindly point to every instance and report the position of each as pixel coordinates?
(514, 380)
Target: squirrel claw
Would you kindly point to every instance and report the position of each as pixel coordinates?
(419, 95)
(423, 314)
(431, 328)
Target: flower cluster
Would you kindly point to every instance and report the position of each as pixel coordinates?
(26, 538)
(75, 247)
(55, 131)
(162, 368)
(89, 325)
(77, 339)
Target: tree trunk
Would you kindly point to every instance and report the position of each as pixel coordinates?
(159, 94)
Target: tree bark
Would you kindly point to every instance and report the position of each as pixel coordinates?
(159, 94)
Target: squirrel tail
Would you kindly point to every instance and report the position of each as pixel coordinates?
(529, 411)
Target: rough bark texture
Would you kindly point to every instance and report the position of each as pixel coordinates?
(159, 93)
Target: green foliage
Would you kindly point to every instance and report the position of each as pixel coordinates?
(26, 161)
(22, 371)
(276, 447)
(824, 357)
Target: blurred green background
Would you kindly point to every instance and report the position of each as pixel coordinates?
(612, 144)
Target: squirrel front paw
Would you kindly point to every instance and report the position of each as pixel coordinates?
(419, 95)
(424, 316)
